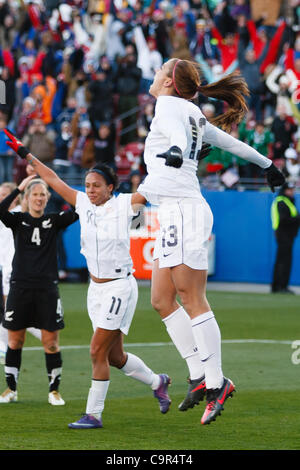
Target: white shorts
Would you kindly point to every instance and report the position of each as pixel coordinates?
(111, 305)
(185, 228)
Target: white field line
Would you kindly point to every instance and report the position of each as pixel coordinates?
(146, 345)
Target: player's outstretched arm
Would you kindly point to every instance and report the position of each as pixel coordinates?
(48, 175)
(221, 139)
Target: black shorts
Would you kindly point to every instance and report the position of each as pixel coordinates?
(37, 307)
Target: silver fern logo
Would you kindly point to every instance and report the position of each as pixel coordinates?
(2, 92)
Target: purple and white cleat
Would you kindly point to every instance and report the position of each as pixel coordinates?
(86, 422)
(161, 393)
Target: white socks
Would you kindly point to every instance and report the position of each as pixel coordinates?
(96, 397)
(138, 370)
(199, 342)
(134, 368)
(179, 328)
(207, 335)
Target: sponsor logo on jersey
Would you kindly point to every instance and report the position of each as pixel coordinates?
(59, 311)
(8, 315)
(25, 223)
(46, 223)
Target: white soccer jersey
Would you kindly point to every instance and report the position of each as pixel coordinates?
(105, 240)
(180, 122)
(7, 251)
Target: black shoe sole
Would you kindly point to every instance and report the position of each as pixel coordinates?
(189, 403)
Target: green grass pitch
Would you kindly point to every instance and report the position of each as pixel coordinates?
(259, 349)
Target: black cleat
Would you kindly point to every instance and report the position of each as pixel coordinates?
(196, 392)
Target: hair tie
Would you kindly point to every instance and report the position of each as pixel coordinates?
(173, 77)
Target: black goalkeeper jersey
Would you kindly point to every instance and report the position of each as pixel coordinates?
(35, 260)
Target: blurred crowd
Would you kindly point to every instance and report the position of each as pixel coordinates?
(77, 75)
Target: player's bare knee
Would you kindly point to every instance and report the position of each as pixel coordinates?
(162, 304)
(98, 353)
(51, 347)
(156, 303)
(16, 344)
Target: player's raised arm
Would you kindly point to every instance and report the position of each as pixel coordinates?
(48, 175)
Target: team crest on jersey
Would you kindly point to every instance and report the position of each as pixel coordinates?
(8, 315)
(90, 217)
(46, 223)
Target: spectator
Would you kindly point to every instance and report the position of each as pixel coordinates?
(145, 120)
(204, 44)
(131, 185)
(283, 129)
(6, 158)
(10, 91)
(159, 24)
(80, 86)
(67, 112)
(148, 58)
(260, 138)
(6, 24)
(292, 166)
(249, 67)
(61, 163)
(44, 93)
(128, 79)
(81, 152)
(281, 87)
(115, 47)
(25, 118)
(104, 144)
(101, 106)
(40, 141)
(240, 7)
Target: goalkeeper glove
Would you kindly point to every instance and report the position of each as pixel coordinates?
(16, 145)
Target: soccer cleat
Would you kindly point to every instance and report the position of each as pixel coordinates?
(161, 393)
(2, 357)
(86, 422)
(215, 399)
(8, 396)
(196, 392)
(54, 398)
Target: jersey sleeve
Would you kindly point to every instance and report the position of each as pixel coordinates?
(10, 219)
(215, 136)
(81, 198)
(66, 218)
(125, 200)
(171, 125)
